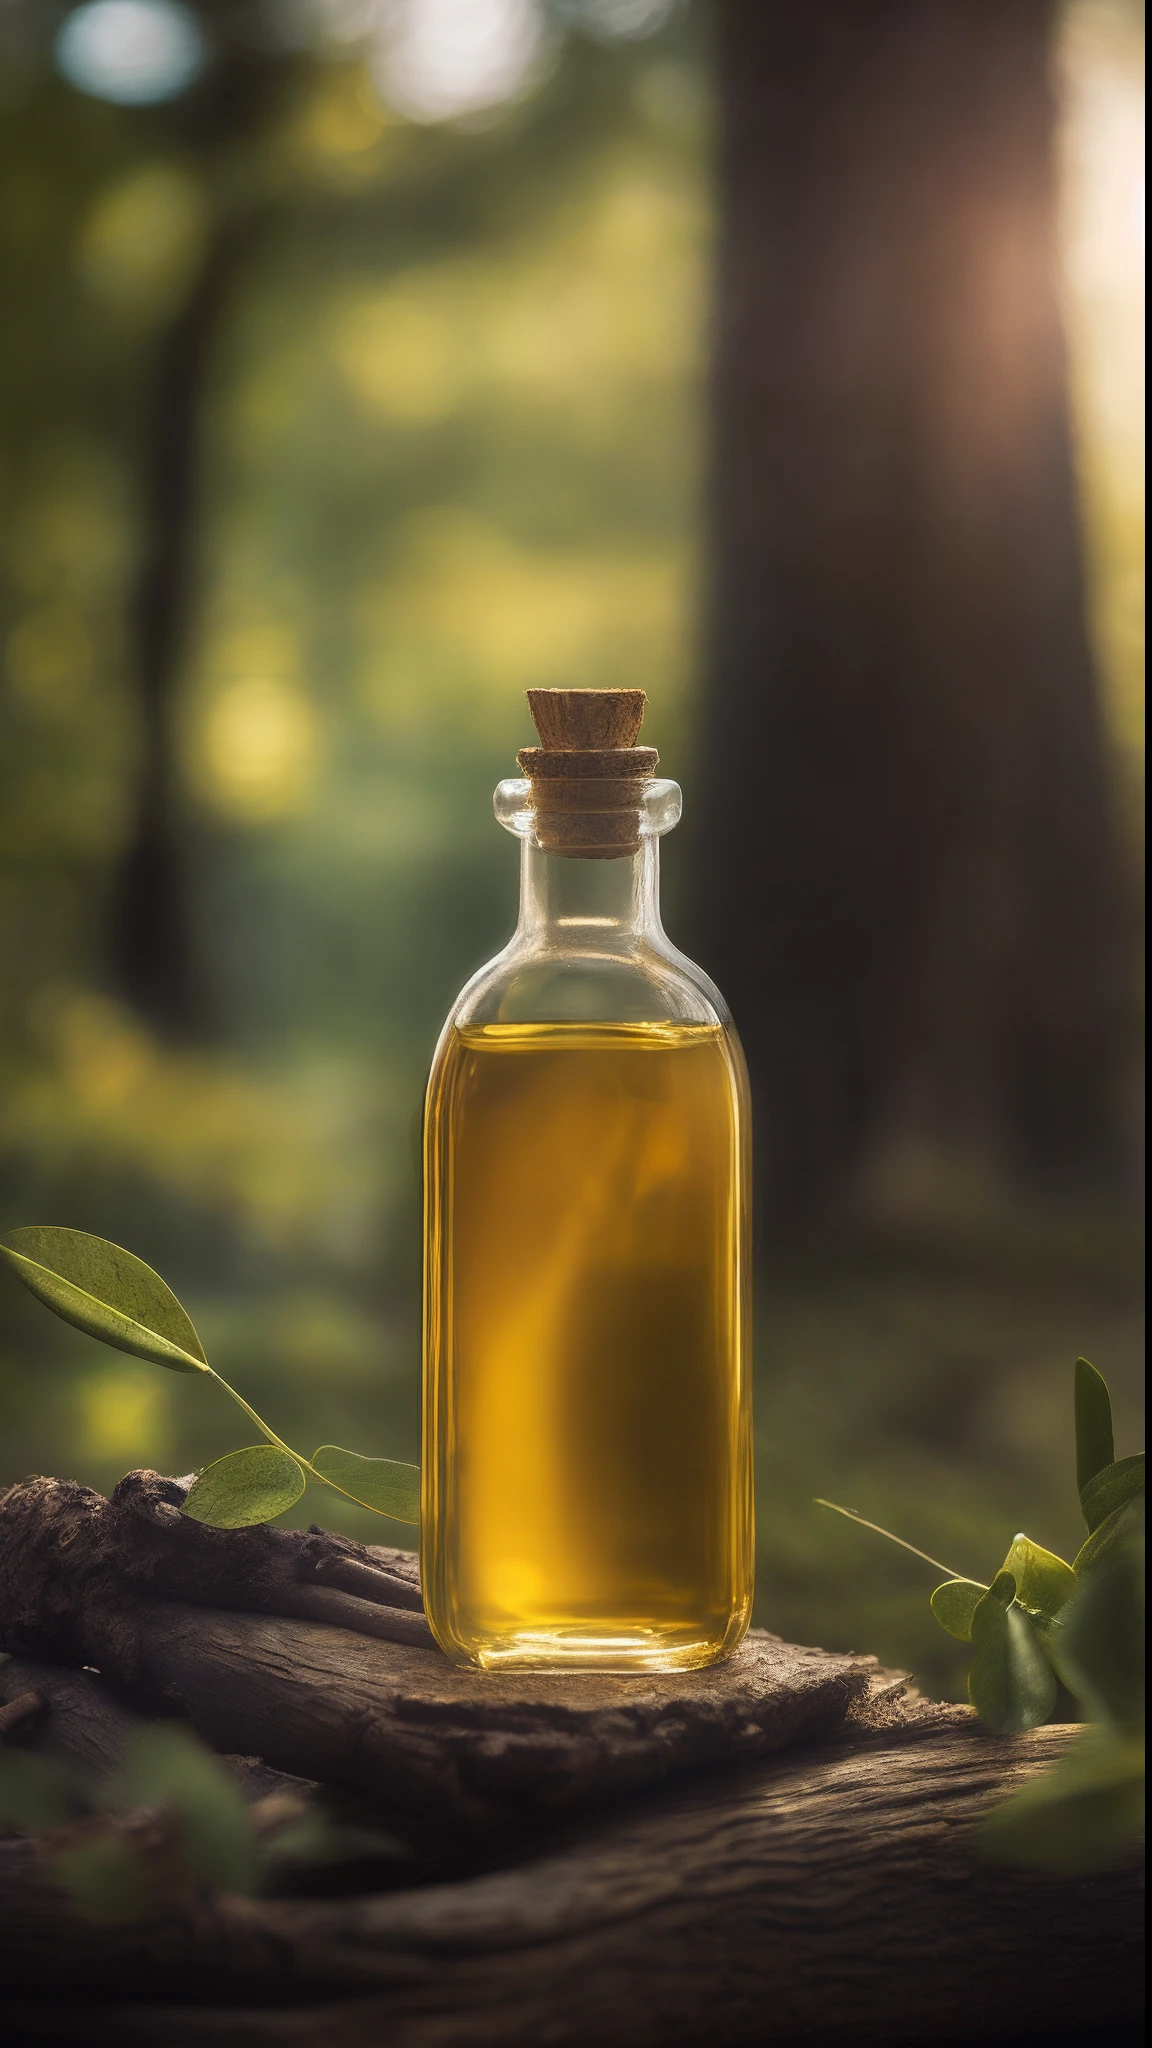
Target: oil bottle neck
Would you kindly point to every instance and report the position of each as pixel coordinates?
(589, 905)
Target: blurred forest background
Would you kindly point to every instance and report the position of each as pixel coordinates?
(368, 361)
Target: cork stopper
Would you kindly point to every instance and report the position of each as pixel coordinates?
(586, 721)
(588, 772)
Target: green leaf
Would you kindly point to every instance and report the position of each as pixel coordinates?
(1099, 1651)
(245, 1487)
(1111, 1488)
(36, 1792)
(105, 1291)
(166, 1767)
(1123, 1527)
(1010, 1683)
(1043, 1580)
(954, 1603)
(1094, 1442)
(1083, 1815)
(106, 1879)
(380, 1483)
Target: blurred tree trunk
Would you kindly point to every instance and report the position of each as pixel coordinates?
(154, 954)
(907, 869)
(154, 958)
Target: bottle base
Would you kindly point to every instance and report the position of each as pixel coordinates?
(583, 1649)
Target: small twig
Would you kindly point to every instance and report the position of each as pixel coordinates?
(366, 1581)
(366, 1617)
(27, 1706)
(851, 1516)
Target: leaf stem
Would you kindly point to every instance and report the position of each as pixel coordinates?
(851, 1516)
(261, 1425)
(280, 1444)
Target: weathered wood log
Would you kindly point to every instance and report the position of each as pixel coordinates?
(829, 1896)
(465, 1748)
(394, 1721)
(833, 1895)
(61, 1546)
(85, 1725)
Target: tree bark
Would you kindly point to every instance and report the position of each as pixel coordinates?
(907, 867)
(830, 1896)
(83, 1724)
(108, 1585)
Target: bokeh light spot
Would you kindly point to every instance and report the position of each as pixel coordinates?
(143, 239)
(133, 52)
(104, 1053)
(439, 59)
(257, 748)
(123, 1413)
(344, 118)
(619, 21)
(401, 354)
(50, 657)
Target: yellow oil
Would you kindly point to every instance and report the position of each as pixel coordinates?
(587, 1429)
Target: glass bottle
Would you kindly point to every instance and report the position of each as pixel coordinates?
(587, 1497)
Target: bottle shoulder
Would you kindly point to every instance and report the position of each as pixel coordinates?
(646, 981)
